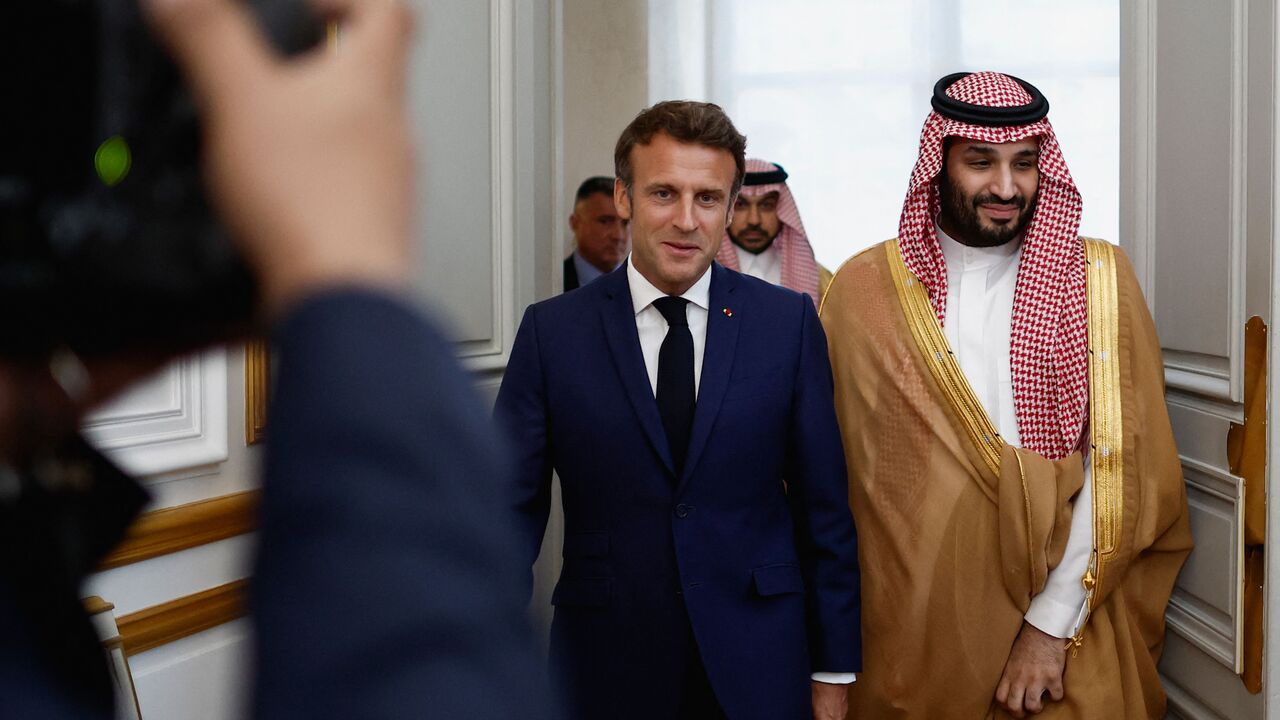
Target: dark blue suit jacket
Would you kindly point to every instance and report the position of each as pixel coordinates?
(754, 541)
(384, 587)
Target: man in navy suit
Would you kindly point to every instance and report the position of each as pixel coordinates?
(710, 560)
(599, 234)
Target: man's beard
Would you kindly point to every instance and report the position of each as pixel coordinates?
(960, 213)
(757, 249)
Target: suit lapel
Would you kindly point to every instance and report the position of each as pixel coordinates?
(619, 320)
(717, 362)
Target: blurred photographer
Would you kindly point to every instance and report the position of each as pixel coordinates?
(383, 586)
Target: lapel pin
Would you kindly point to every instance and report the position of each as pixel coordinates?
(727, 312)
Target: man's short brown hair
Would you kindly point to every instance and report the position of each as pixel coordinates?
(686, 121)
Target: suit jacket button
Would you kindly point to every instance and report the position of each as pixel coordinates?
(682, 510)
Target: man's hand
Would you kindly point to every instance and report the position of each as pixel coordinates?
(308, 160)
(830, 702)
(1035, 667)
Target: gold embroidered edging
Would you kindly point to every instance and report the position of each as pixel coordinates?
(923, 322)
(1107, 438)
(1106, 441)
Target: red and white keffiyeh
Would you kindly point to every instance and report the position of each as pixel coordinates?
(1049, 334)
(799, 268)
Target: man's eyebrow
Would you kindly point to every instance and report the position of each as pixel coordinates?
(1029, 152)
(655, 186)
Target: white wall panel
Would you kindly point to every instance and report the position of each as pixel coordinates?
(140, 585)
(606, 84)
(210, 668)
(1200, 690)
(172, 421)
(1199, 197)
(461, 91)
(1205, 607)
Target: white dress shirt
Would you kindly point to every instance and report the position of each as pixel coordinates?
(766, 265)
(652, 328)
(980, 287)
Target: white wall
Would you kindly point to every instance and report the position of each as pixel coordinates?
(605, 64)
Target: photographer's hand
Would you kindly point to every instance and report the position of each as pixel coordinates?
(308, 160)
(36, 409)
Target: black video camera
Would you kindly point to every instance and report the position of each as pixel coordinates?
(107, 242)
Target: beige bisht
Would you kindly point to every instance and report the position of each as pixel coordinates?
(958, 530)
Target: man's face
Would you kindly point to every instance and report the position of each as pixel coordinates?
(678, 207)
(600, 231)
(988, 190)
(755, 222)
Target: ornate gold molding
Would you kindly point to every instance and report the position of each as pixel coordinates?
(161, 624)
(1247, 452)
(257, 378)
(161, 532)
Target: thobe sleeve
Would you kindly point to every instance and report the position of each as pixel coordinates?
(1059, 608)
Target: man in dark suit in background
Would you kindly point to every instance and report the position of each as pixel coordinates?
(599, 234)
(710, 558)
(383, 587)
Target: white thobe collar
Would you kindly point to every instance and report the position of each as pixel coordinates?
(766, 265)
(961, 257)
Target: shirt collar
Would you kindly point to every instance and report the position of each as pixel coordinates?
(960, 256)
(761, 261)
(586, 271)
(643, 293)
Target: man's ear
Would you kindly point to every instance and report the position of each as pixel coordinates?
(573, 221)
(621, 199)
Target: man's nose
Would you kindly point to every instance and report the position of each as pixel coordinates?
(1002, 184)
(685, 220)
(753, 214)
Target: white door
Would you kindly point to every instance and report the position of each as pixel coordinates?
(1197, 159)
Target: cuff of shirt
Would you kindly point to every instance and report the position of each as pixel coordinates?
(1052, 617)
(834, 678)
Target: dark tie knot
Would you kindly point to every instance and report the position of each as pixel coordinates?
(672, 308)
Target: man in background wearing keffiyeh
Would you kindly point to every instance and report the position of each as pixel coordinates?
(766, 237)
(999, 386)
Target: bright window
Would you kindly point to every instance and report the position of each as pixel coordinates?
(837, 91)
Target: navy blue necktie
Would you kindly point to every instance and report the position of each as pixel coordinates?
(676, 394)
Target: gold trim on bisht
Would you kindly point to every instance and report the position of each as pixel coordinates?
(923, 322)
(1106, 435)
